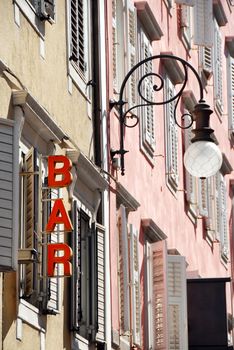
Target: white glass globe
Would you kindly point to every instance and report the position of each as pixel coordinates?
(203, 159)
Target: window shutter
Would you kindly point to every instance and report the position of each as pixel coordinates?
(177, 300)
(53, 285)
(9, 194)
(223, 218)
(159, 295)
(190, 180)
(76, 263)
(217, 206)
(209, 221)
(124, 271)
(218, 66)
(114, 43)
(148, 111)
(131, 50)
(203, 23)
(78, 37)
(185, 2)
(231, 92)
(205, 54)
(135, 278)
(100, 268)
(185, 17)
(203, 197)
(172, 136)
(31, 218)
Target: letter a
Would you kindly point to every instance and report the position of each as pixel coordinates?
(53, 259)
(64, 171)
(59, 216)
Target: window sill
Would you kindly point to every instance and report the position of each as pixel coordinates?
(79, 343)
(30, 315)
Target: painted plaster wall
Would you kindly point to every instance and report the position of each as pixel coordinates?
(147, 183)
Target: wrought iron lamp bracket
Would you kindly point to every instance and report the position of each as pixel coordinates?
(126, 113)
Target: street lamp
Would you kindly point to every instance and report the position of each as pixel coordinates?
(202, 158)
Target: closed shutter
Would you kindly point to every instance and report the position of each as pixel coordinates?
(131, 50)
(76, 263)
(124, 271)
(53, 286)
(100, 265)
(210, 219)
(177, 303)
(159, 295)
(172, 136)
(218, 207)
(185, 2)
(9, 194)
(218, 67)
(78, 36)
(203, 23)
(203, 197)
(114, 42)
(147, 111)
(135, 279)
(223, 218)
(231, 92)
(31, 218)
(190, 180)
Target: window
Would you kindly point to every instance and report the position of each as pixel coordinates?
(79, 42)
(218, 75)
(171, 138)
(166, 298)
(230, 75)
(88, 279)
(186, 25)
(147, 112)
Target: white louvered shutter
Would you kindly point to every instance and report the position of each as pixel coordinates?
(203, 197)
(210, 219)
(114, 43)
(231, 92)
(172, 136)
(148, 111)
(218, 66)
(131, 28)
(203, 23)
(79, 44)
(185, 2)
(190, 180)
(124, 271)
(135, 279)
(9, 194)
(177, 303)
(205, 54)
(159, 295)
(100, 251)
(53, 285)
(223, 218)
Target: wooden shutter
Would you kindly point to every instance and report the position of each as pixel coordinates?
(131, 50)
(135, 279)
(223, 218)
(147, 111)
(203, 23)
(124, 271)
(185, 2)
(76, 263)
(172, 136)
(218, 81)
(203, 197)
(231, 92)
(100, 268)
(9, 194)
(31, 218)
(190, 180)
(114, 43)
(159, 295)
(210, 219)
(53, 285)
(78, 36)
(177, 303)
(206, 63)
(218, 206)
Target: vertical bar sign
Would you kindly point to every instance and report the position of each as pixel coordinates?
(59, 175)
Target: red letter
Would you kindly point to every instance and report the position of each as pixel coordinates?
(64, 171)
(58, 216)
(52, 259)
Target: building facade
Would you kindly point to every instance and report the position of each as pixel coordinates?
(171, 234)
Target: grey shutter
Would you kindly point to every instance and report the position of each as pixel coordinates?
(231, 92)
(9, 194)
(124, 271)
(203, 23)
(75, 279)
(185, 2)
(100, 276)
(218, 74)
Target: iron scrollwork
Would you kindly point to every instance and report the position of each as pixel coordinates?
(125, 114)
